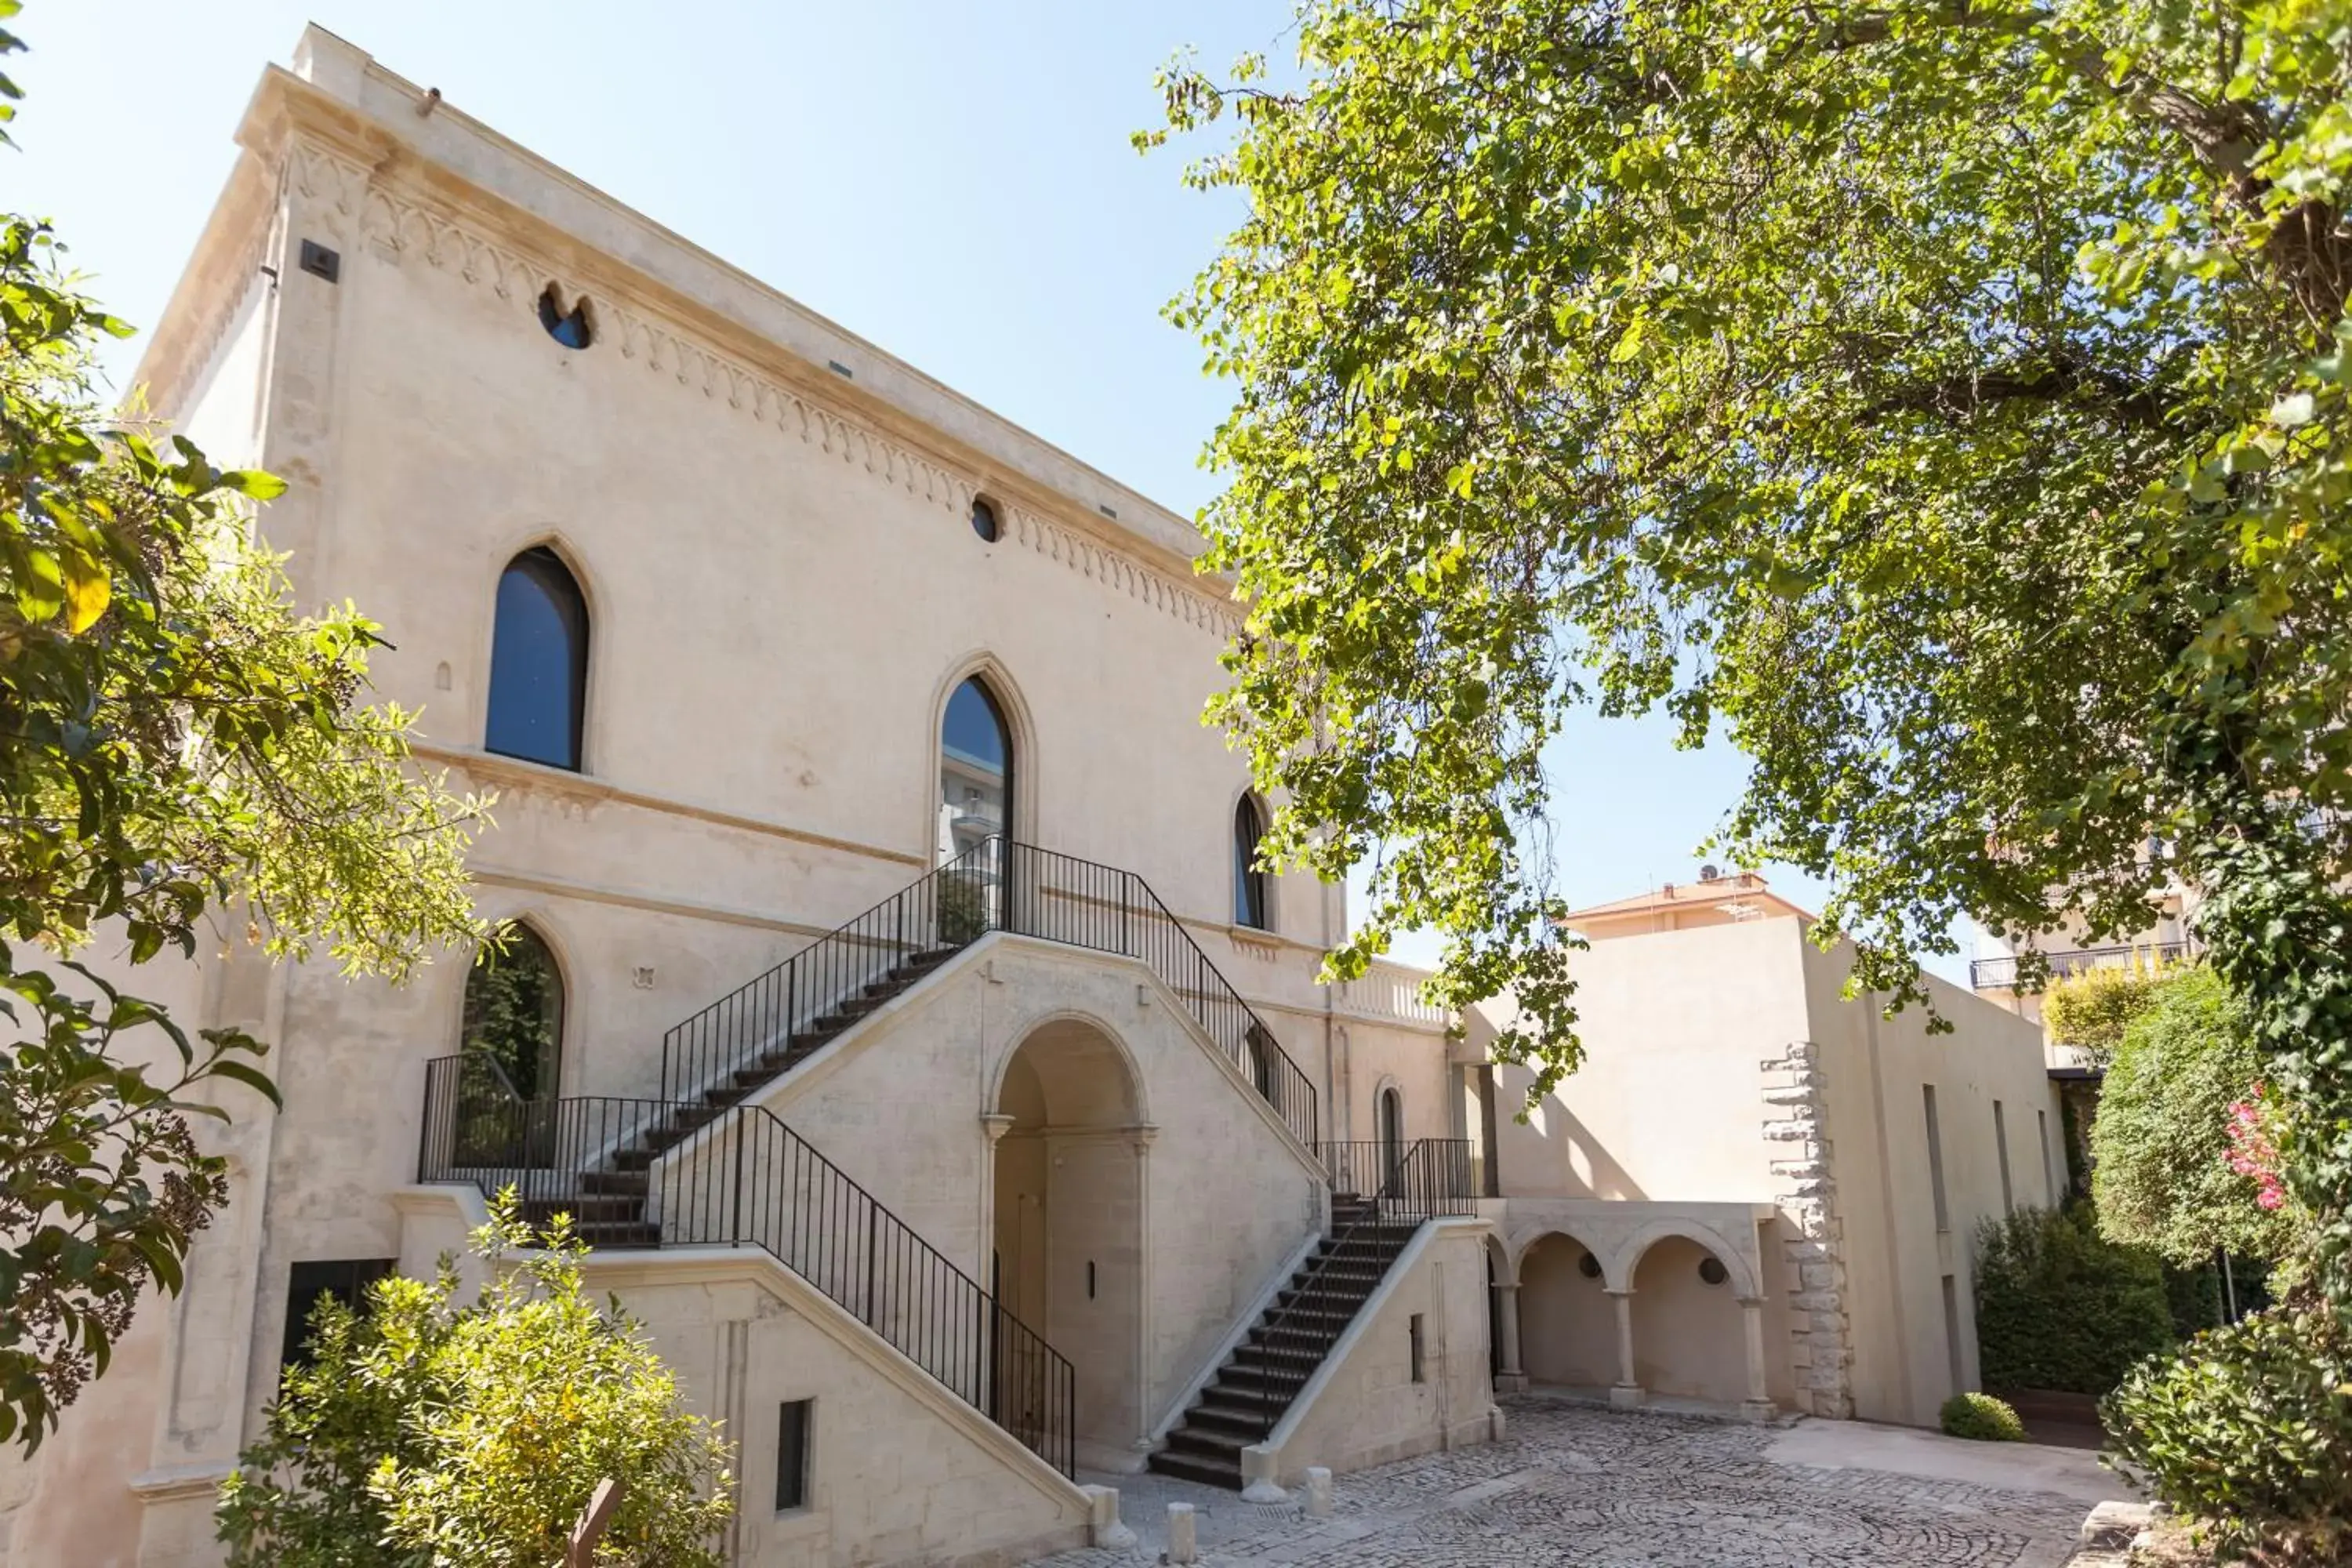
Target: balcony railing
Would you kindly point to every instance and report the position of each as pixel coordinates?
(996, 885)
(2001, 974)
(629, 1177)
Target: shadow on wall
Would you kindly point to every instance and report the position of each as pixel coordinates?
(1568, 1325)
(1588, 1170)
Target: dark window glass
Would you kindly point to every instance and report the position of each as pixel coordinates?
(792, 1454)
(983, 518)
(569, 328)
(539, 663)
(1392, 1132)
(975, 769)
(514, 1013)
(345, 1279)
(1249, 882)
(1712, 1271)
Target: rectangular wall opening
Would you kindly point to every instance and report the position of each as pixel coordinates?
(792, 1454)
(2000, 1148)
(1936, 1161)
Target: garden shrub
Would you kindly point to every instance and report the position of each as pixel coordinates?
(2060, 1308)
(2195, 1297)
(2161, 1145)
(428, 1431)
(1982, 1418)
(2248, 1431)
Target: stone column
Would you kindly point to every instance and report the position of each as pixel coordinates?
(1627, 1392)
(1139, 1138)
(994, 1128)
(1512, 1377)
(1757, 1405)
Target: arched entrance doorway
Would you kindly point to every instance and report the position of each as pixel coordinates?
(1069, 1216)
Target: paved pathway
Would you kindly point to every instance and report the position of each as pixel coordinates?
(1596, 1488)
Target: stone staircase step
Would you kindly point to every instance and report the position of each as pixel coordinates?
(1195, 1468)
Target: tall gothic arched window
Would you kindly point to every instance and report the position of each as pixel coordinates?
(514, 1013)
(975, 769)
(539, 663)
(1249, 882)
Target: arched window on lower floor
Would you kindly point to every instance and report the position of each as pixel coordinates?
(514, 1014)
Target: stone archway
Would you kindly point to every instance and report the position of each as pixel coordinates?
(1568, 1325)
(1690, 1339)
(1067, 1248)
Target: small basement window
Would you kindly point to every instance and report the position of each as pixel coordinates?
(792, 1454)
(571, 328)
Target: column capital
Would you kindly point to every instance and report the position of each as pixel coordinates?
(1753, 1303)
(995, 1126)
(1141, 1135)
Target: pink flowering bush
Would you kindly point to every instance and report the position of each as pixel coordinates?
(2253, 1152)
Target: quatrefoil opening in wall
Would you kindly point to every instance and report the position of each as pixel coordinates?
(574, 328)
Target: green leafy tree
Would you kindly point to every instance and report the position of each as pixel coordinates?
(178, 750)
(1946, 402)
(2160, 1146)
(474, 1436)
(2093, 1008)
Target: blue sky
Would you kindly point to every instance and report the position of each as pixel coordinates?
(950, 181)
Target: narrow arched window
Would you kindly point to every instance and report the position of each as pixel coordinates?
(975, 769)
(1392, 1111)
(1249, 882)
(539, 663)
(514, 1013)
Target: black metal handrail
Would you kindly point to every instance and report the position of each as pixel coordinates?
(1399, 1191)
(629, 1177)
(1996, 974)
(997, 884)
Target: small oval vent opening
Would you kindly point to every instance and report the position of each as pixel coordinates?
(571, 328)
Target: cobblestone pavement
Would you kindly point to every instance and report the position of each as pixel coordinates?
(1598, 1488)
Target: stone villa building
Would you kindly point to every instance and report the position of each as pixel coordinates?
(937, 1077)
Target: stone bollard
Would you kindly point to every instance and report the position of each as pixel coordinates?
(1318, 1492)
(1182, 1545)
(1103, 1526)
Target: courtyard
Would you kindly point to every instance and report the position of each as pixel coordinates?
(1572, 1484)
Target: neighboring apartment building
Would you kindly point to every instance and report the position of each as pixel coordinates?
(1754, 1189)
(893, 1000)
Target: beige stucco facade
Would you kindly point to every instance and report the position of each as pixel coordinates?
(1735, 1103)
(771, 523)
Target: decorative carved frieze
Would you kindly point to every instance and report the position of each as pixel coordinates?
(395, 226)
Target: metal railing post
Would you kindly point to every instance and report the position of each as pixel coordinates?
(735, 1220)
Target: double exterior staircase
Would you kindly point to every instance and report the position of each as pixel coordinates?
(1372, 1222)
(698, 1163)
